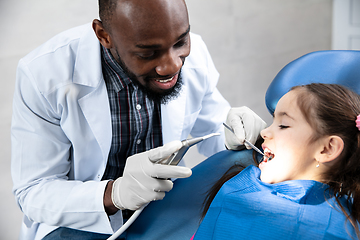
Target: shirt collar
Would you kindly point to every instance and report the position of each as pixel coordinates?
(121, 80)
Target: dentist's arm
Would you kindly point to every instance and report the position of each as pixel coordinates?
(143, 180)
(246, 125)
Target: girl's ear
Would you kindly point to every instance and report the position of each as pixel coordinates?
(331, 149)
(102, 34)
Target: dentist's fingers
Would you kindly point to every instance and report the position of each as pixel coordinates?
(165, 151)
(246, 125)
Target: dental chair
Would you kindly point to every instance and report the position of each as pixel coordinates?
(334, 66)
(177, 216)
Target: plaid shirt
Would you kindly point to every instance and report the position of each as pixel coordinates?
(136, 120)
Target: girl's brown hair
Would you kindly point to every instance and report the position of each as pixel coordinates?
(332, 110)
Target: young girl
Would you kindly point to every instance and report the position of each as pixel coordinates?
(310, 188)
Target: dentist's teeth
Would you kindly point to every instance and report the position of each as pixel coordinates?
(164, 80)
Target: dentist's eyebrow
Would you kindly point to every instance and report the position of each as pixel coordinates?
(185, 33)
(153, 46)
(156, 46)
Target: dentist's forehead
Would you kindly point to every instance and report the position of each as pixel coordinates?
(147, 11)
(145, 19)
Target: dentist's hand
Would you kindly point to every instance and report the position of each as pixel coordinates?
(144, 180)
(246, 125)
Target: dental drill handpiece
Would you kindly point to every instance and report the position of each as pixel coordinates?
(176, 157)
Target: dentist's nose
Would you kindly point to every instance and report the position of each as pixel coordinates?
(169, 64)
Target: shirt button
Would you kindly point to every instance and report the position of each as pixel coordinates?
(138, 106)
(138, 141)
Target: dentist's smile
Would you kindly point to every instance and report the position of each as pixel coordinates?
(167, 83)
(164, 80)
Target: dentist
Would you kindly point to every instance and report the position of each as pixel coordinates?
(96, 106)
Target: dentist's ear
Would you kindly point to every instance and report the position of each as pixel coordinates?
(332, 148)
(102, 34)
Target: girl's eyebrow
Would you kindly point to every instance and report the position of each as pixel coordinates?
(281, 114)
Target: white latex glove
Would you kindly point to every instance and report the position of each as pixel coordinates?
(144, 180)
(246, 125)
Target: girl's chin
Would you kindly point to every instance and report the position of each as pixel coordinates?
(263, 165)
(266, 178)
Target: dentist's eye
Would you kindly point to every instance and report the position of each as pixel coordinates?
(180, 43)
(147, 55)
(283, 126)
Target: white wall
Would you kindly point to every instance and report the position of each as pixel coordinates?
(24, 25)
(346, 25)
(250, 41)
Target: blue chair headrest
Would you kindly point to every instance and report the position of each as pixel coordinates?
(332, 66)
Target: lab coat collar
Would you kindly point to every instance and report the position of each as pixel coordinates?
(88, 69)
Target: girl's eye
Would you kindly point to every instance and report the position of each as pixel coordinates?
(283, 126)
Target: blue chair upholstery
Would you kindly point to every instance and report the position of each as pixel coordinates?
(177, 216)
(333, 66)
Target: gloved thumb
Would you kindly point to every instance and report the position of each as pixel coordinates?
(166, 171)
(164, 152)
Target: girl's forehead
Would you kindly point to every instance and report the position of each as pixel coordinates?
(288, 101)
(288, 106)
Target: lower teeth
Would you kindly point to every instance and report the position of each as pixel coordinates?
(266, 158)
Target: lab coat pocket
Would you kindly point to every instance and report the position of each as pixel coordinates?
(189, 122)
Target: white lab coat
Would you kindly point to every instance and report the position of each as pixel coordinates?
(61, 129)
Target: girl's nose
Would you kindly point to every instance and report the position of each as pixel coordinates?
(265, 132)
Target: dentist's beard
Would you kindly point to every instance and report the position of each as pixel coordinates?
(159, 95)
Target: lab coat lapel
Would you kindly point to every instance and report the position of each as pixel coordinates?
(95, 104)
(172, 115)
(96, 109)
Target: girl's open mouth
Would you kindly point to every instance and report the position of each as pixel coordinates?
(268, 155)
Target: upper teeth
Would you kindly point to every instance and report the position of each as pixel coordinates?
(164, 80)
(268, 154)
(266, 150)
